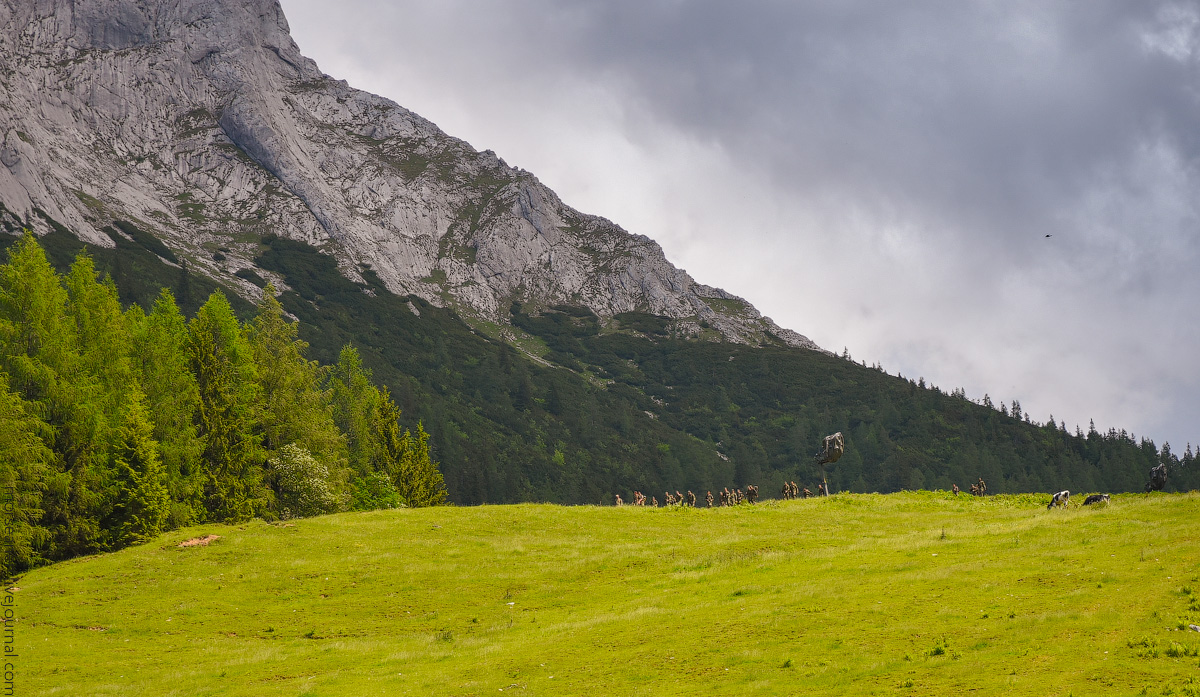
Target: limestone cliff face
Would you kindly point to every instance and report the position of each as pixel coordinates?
(201, 122)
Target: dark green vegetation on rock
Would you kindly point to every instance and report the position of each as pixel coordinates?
(636, 409)
(117, 423)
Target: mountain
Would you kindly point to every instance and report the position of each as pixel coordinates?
(551, 355)
(200, 124)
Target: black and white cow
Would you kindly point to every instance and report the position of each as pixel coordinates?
(1096, 498)
(1059, 499)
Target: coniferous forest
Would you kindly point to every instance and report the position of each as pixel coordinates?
(219, 404)
(118, 423)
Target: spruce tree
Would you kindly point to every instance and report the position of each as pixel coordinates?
(294, 408)
(40, 353)
(405, 458)
(421, 484)
(232, 458)
(160, 354)
(142, 501)
(24, 468)
(355, 409)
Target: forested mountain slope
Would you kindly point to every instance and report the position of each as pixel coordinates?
(606, 412)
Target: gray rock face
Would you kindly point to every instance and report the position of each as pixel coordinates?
(201, 122)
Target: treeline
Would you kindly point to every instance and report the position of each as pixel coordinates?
(117, 424)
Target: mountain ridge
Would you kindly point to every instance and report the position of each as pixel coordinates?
(204, 125)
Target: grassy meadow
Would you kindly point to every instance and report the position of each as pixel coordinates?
(912, 593)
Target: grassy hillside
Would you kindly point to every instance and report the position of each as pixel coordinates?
(904, 594)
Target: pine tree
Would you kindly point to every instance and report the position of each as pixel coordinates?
(232, 458)
(142, 500)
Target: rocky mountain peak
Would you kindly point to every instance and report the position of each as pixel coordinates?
(202, 124)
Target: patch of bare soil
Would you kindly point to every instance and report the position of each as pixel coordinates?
(199, 541)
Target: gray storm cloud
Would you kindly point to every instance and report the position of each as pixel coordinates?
(926, 149)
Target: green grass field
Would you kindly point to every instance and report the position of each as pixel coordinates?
(911, 593)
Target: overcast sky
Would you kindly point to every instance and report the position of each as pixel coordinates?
(875, 175)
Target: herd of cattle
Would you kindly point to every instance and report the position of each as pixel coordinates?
(1158, 480)
(728, 498)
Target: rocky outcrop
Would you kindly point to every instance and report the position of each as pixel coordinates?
(200, 122)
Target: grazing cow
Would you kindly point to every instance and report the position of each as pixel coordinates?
(709, 498)
(956, 490)
(1096, 498)
(1158, 479)
(1062, 498)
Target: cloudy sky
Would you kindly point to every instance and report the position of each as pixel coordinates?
(875, 175)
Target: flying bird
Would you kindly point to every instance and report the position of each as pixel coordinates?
(1049, 235)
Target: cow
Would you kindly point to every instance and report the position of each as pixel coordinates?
(1062, 498)
(1096, 498)
(1158, 479)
